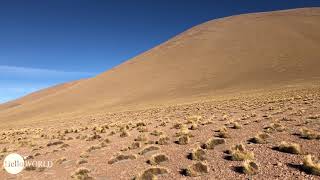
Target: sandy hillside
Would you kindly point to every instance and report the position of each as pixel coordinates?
(233, 98)
(232, 54)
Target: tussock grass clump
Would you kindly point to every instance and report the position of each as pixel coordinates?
(30, 168)
(82, 161)
(61, 160)
(4, 150)
(183, 140)
(157, 159)
(141, 137)
(250, 167)
(149, 149)
(93, 137)
(139, 124)
(197, 154)
(212, 142)
(84, 155)
(183, 131)
(177, 125)
(274, 127)
(261, 138)
(235, 125)
(239, 153)
(142, 129)
(193, 119)
(311, 165)
(156, 133)
(92, 148)
(112, 133)
(194, 126)
(124, 133)
(122, 157)
(196, 169)
(151, 173)
(81, 174)
(291, 148)
(54, 143)
(309, 134)
(223, 134)
(163, 140)
(135, 145)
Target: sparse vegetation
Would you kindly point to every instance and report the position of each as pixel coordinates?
(292, 148)
(239, 153)
(82, 161)
(141, 137)
(261, 138)
(156, 133)
(61, 160)
(157, 159)
(124, 133)
(274, 127)
(149, 149)
(309, 134)
(54, 143)
(211, 143)
(163, 140)
(81, 174)
(250, 167)
(183, 140)
(151, 173)
(236, 125)
(196, 169)
(122, 157)
(135, 145)
(197, 154)
(310, 165)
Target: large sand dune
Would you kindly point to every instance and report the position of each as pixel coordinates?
(228, 55)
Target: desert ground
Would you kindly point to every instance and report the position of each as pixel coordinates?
(233, 98)
(125, 145)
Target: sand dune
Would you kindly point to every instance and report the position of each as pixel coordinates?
(228, 55)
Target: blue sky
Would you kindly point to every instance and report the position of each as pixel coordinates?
(46, 42)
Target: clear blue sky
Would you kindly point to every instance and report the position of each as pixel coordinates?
(46, 42)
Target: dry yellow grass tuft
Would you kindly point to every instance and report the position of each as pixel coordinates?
(183, 140)
(292, 148)
(122, 157)
(250, 167)
(239, 153)
(261, 138)
(149, 149)
(135, 145)
(183, 131)
(82, 161)
(124, 133)
(235, 125)
(212, 142)
(196, 169)
(151, 173)
(61, 160)
(156, 133)
(141, 137)
(157, 159)
(197, 154)
(309, 134)
(274, 127)
(81, 174)
(163, 140)
(310, 166)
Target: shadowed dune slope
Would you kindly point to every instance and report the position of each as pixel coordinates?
(238, 53)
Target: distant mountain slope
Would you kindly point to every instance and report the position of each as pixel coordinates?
(238, 53)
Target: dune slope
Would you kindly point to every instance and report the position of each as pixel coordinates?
(232, 54)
